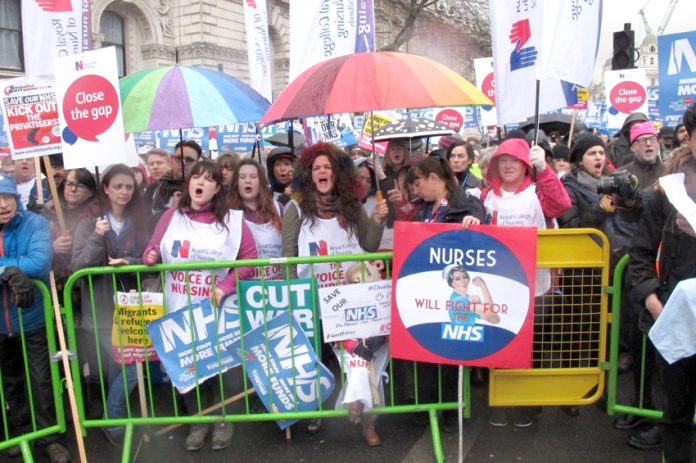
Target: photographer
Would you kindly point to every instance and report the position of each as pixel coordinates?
(599, 200)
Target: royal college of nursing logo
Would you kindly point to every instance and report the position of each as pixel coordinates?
(181, 248)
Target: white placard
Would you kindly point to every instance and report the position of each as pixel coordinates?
(356, 311)
(676, 194)
(89, 109)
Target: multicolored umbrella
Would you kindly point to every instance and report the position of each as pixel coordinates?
(181, 97)
(372, 81)
(416, 127)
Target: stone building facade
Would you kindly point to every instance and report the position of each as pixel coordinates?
(210, 33)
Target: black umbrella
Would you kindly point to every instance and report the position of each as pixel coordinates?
(282, 139)
(550, 122)
(417, 127)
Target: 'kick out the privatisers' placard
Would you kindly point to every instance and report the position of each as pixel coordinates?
(463, 296)
(31, 114)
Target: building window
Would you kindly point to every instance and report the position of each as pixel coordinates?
(11, 56)
(652, 48)
(112, 26)
(652, 60)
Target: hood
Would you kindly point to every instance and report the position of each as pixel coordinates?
(517, 148)
(273, 156)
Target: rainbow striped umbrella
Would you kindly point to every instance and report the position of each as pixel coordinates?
(182, 97)
(372, 81)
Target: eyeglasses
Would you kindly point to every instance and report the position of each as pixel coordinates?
(77, 186)
(644, 141)
(187, 160)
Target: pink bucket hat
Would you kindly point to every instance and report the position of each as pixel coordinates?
(642, 128)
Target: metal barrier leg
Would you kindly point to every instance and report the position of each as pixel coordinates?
(127, 443)
(435, 431)
(26, 452)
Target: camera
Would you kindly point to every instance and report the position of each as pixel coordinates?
(623, 184)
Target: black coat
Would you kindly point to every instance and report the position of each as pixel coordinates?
(657, 228)
(459, 205)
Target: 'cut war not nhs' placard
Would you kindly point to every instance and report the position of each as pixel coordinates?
(463, 296)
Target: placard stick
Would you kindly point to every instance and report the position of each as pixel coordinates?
(208, 410)
(64, 353)
(54, 194)
(39, 186)
(572, 127)
(141, 394)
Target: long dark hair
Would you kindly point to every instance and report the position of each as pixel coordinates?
(134, 206)
(438, 166)
(264, 202)
(218, 204)
(347, 188)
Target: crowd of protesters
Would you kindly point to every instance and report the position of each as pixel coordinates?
(236, 208)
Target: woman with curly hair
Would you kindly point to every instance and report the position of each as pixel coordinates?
(326, 216)
(262, 213)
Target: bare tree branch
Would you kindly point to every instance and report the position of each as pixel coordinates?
(407, 29)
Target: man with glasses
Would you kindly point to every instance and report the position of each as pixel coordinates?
(647, 163)
(166, 191)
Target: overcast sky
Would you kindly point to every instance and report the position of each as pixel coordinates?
(618, 12)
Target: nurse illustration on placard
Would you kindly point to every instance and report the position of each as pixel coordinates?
(465, 309)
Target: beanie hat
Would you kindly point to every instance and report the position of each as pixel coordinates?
(634, 117)
(642, 128)
(667, 132)
(448, 140)
(583, 144)
(561, 151)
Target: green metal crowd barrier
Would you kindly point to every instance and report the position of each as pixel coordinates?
(637, 405)
(158, 402)
(22, 434)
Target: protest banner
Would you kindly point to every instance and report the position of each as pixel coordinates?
(356, 311)
(29, 106)
(258, 47)
(88, 97)
(51, 29)
(323, 129)
(654, 105)
(483, 67)
(239, 137)
(523, 38)
(129, 338)
(320, 30)
(213, 331)
(463, 296)
(373, 122)
(284, 369)
(626, 93)
(262, 301)
(676, 62)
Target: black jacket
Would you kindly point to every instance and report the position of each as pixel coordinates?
(657, 230)
(459, 204)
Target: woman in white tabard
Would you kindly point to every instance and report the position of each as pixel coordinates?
(326, 218)
(262, 214)
(200, 229)
(523, 191)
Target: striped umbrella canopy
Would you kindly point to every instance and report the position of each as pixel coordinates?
(182, 97)
(372, 81)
